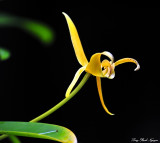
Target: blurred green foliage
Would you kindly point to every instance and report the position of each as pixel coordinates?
(39, 30)
(4, 54)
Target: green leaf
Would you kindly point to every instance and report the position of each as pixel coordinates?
(38, 130)
(4, 54)
(39, 30)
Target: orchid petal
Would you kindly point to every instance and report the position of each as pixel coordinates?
(109, 55)
(112, 75)
(76, 41)
(105, 63)
(76, 77)
(125, 60)
(107, 70)
(94, 67)
(101, 96)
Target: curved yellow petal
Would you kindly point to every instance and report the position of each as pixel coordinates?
(109, 55)
(76, 77)
(76, 41)
(101, 96)
(95, 66)
(125, 60)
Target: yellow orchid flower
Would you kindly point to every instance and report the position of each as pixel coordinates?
(95, 66)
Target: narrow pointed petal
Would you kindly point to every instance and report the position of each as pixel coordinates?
(101, 96)
(76, 77)
(126, 60)
(76, 41)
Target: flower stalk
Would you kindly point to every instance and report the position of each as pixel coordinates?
(60, 104)
(64, 101)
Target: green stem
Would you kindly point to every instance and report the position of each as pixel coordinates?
(3, 137)
(60, 104)
(14, 139)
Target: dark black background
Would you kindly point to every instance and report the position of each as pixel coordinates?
(36, 76)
